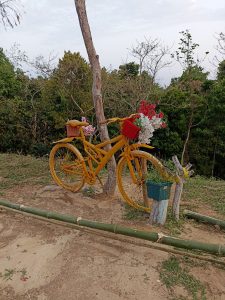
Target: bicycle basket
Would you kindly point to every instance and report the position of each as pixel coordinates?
(130, 130)
(72, 131)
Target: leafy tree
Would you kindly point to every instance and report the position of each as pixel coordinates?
(130, 69)
(122, 93)
(215, 122)
(70, 86)
(191, 82)
(9, 84)
(221, 70)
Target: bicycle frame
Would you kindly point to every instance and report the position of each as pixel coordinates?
(101, 157)
(87, 167)
(96, 153)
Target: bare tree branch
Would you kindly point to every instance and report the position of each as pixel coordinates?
(151, 55)
(10, 13)
(42, 66)
(220, 47)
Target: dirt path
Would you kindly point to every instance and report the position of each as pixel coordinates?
(67, 264)
(43, 261)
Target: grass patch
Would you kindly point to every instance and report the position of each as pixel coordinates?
(89, 191)
(210, 191)
(19, 169)
(131, 213)
(8, 274)
(174, 227)
(172, 274)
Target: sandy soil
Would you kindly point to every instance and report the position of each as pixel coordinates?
(43, 261)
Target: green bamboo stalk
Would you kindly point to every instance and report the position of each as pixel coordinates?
(203, 218)
(150, 236)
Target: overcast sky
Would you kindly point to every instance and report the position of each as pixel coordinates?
(52, 26)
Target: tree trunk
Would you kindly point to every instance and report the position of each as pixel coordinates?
(187, 138)
(110, 185)
(214, 158)
(177, 199)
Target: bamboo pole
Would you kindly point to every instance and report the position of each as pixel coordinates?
(203, 218)
(128, 240)
(150, 236)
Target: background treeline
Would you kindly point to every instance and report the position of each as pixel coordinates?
(33, 111)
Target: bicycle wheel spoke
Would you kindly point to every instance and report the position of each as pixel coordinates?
(66, 167)
(132, 177)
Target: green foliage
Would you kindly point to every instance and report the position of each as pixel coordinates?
(154, 175)
(68, 90)
(173, 226)
(9, 81)
(186, 50)
(194, 73)
(131, 213)
(204, 191)
(30, 120)
(221, 70)
(129, 70)
(208, 150)
(33, 111)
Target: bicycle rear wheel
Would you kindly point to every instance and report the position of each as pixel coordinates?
(132, 177)
(66, 166)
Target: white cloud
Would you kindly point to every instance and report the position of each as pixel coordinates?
(53, 26)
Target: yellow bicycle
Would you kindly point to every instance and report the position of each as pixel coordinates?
(71, 170)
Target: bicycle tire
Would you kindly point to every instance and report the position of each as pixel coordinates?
(135, 194)
(66, 166)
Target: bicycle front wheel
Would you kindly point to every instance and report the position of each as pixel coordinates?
(132, 176)
(66, 166)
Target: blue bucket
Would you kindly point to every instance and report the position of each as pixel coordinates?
(158, 190)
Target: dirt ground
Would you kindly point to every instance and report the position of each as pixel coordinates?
(44, 261)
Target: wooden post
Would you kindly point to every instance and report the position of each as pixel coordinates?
(179, 186)
(158, 212)
(159, 208)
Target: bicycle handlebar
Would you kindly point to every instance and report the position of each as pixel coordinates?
(113, 120)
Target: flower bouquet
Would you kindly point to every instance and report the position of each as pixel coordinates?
(75, 131)
(88, 130)
(144, 123)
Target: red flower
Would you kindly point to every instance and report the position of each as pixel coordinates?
(147, 109)
(161, 115)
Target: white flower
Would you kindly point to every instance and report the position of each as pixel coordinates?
(147, 128)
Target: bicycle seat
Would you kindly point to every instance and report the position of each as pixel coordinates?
(75, 123)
